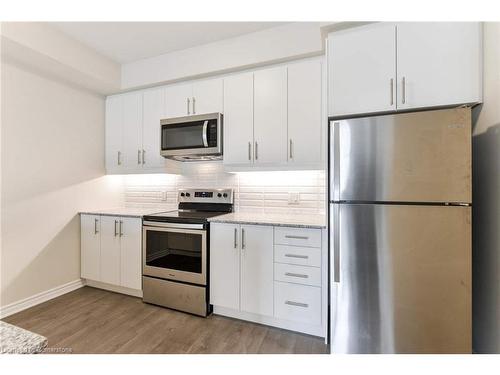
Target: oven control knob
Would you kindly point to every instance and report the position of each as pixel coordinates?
(219, 195)
(187, 194)
(224, 195)
(182, 194)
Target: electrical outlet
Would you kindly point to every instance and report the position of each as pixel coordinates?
(293, 198)
(164, 196)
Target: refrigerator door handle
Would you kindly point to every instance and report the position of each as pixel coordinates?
(335, 241)
(335, 161)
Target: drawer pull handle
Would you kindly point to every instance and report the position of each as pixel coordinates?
(297, 275)
(299, 304)
(297, 237)
(297, 256)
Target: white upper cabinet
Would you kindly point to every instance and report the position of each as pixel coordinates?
(238, 119)
(114, 122)
(194, 98)
(438, 63)
(207, 96)
(178, 100)
(153, 112)
(387, 67)
(362, 70)
(304, 112)
(132, 130)
(270, 116)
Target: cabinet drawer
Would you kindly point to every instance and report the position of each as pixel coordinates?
(297, 274)
(297, 236)
(299, 255)
(298, 303)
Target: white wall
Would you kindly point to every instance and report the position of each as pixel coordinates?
(287, 42)
(52, 165)
(486, 202)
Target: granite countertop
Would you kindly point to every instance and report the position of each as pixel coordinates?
(16, 340)
(125, 211)
(288, 219)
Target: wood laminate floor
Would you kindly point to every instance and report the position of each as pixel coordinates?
(90, 320)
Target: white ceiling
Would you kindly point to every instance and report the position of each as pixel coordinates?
(129, 41)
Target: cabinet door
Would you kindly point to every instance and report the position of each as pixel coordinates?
(225, 265)
(440, 63)
(257, 269)
(304, 112)
(131, 252)
(362, 70)
(207, 96)
(132, 130)
(153, 112)
(110, 250)
(270, 116)
(90, 226)
(238, 119)
(178, 100)
(113, 126)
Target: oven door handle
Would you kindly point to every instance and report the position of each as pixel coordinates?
(155, 224)
(204, 134)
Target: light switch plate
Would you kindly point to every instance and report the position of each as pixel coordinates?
(164, 196)
(293, 198)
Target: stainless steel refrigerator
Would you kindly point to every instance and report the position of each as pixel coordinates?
(400, 233)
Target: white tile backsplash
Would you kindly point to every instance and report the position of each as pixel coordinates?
(254, 191)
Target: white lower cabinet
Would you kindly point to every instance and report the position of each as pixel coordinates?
(257, 269)
(254, 277)
(111, 250)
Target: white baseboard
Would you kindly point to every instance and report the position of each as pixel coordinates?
(26, 303)
(114, 288)
(314, 330)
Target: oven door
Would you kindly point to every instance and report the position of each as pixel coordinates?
(192, 135)
(174, 252)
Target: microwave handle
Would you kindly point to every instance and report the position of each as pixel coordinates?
(204, 134)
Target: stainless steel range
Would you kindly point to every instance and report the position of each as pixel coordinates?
(176, 250)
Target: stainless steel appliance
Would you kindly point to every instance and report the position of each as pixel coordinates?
(176, 250)
(400, 233)
(192, 138)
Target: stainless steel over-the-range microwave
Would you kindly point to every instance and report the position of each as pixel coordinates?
(192, 138)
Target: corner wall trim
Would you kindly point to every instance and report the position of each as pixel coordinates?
(39, 298)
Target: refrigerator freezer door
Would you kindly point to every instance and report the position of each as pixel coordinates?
(408, 157)
(404, 279)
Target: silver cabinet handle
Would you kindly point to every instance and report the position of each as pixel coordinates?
(235, 238)
(297, 256)
(404, 90)
(188, 105)
(301, 275)
(256, 150)
(95, 226)
(392, 91)
(194, 105)
(121, 228)
(243, 244)
(116, 232)
(249, 150)
(299, 304)
(119, 158)
(143, 157)
(138, 156)
(291, 148)
(297, 237)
